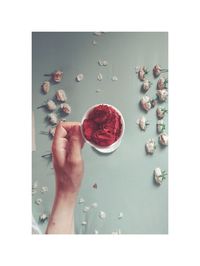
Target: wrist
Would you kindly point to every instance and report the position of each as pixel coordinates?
(65, 196)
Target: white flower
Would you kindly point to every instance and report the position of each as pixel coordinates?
(52, 118)
(163, 139)
(79, 77)
(146, 85)
(99, 77)
(102, 215)
(84, 223)
(46, 86)
(60, 96)
(161, 112)
(146, 103)
(57, 76)
(143, 123)
(159, 175)
(162, 95)
(141, 73)
(160, 126)
(65, 108)
(156, 70)
(51, 106)
(150, 146)
(161, 84)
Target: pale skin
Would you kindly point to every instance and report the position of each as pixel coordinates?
(68, 165)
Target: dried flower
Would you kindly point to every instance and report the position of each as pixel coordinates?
(46, 86)
(65, 108)
(162, 83)
(79, 77)
(161, 112)
(43, 217)
(146, 103)
(142, 72)
(51, 106)
(38, 201)
(150, 146)
(100, 77)
(57, 76)
(163, 139)
(60, 96)
(157, 70)
(162, 95)
(160, 126)
(52, 118)
(146, 85)
(159, 175)
(143, 123)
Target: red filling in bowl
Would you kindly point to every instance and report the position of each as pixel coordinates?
(102, 126)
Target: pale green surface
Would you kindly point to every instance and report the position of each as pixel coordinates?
(125, 177)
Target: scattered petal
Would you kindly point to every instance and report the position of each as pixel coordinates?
(94, 205)
(99, 77)
(60, 96)
(81, 200)
(98, 90)
(46, 86)
(35, 184)
(84, 223)
(114, 78)
(150, 146)
(100, 62)
(96, 231)
(38, 201)
(121, 215)
(95, 186)
(105, 63)
(86, 209)
(94, 42)
(163, 139)
(44, 189)
(79, 77)
(102, 215)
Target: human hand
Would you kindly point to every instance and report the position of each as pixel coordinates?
(67, 159)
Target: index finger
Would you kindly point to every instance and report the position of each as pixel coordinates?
(62, 128)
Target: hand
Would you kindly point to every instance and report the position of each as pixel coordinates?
(68, 165)
(67, 159)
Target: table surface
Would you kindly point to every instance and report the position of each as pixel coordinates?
(124, 178)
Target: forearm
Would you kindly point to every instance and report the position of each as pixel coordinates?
(62, 217)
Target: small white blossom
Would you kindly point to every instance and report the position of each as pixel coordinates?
(114, 78)
(121, 215)
(38, 201)
(146, 103)
(46, 86)
(94, 205)
(81, 200)
(66, 108)
(43, 217)
(162, 95)
(60, 96)
(84, 223)
(52, 118)
(159, 175)
(143, 123)
(102, 215)
(161, 112)
(96, 231)
(99, 77)
(51, 106)
(163, 139)
(150, 146)
(142, 72)
(156, 70)
(146, 85)
(44, 189)
(160, 126)
(162, 83)
(86, 209)
(79, 77)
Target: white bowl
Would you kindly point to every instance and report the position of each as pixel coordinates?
(111, 147)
